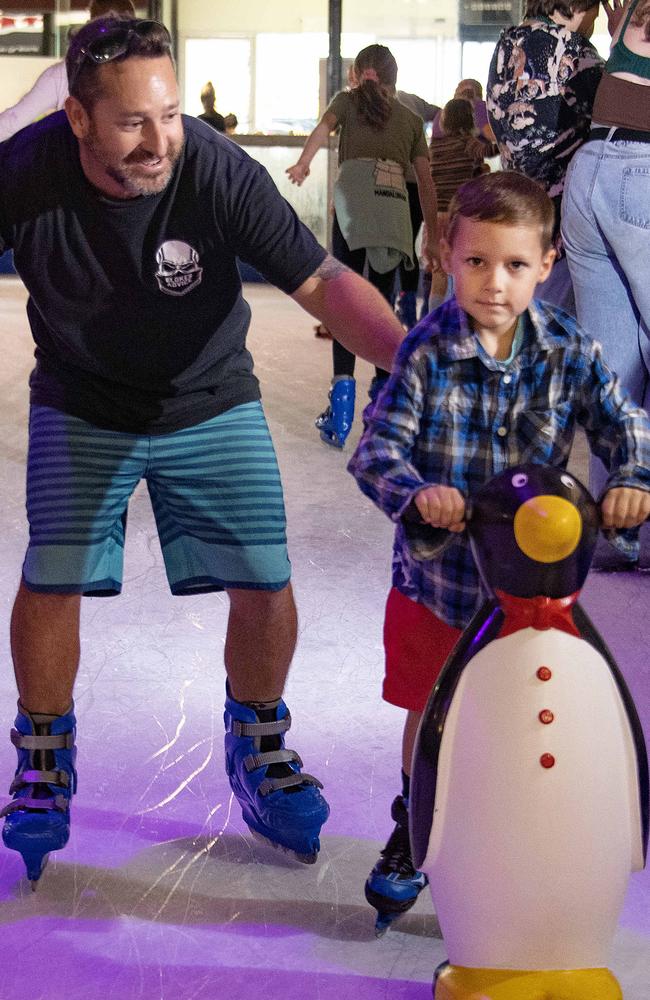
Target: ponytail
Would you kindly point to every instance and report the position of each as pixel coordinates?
(374, 103)
(375, 70)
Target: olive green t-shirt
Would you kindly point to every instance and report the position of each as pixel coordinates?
(401, 140)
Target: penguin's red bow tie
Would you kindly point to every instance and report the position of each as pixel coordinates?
(537, 612)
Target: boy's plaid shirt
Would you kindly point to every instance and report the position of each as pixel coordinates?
(452, 415)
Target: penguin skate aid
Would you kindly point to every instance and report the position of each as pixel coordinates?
(395, 882)
(520, 790)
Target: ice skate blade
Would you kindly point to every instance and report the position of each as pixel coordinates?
(35, 860)
(35, 866)
(331, 439)
(304, 859)
(384, 922)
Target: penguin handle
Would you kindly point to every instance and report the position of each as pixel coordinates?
(411, 515)
(426, 541)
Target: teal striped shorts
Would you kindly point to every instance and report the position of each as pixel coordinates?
(215, 491)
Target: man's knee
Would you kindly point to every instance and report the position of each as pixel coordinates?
(47, 602)
(262, 602)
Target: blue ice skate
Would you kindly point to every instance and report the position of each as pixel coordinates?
(279, 802)
(393, 884)
(38, 819)
(335, 423)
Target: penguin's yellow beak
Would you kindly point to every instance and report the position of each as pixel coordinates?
(547, 528)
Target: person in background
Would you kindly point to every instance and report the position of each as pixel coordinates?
(210, 113)
(409, 280)
(51, 88)
(540, 93)
(472, 91)
(606, 234)
(379, 138)
(427, 112)
(456, 156)
(142, 372)
(475, 389)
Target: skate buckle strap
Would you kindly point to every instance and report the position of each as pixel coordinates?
(299, 778)
(256, 729)
(61, 778)
(255, 760)
(42, 805)
(62, 741)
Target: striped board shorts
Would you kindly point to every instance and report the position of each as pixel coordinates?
(215, 491)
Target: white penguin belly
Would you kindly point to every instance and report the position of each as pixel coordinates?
(529, 864)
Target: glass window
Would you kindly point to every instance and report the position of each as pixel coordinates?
(227, 63)
(287, 80)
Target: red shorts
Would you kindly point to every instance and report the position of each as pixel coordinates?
(417, 643)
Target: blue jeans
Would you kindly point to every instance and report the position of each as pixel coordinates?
(606, 232)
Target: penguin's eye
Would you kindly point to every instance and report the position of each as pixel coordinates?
(568, 482)
(519, 480)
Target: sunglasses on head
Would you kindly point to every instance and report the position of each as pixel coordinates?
(113, 42)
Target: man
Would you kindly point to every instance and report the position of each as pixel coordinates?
(51, 87)
(125, 220)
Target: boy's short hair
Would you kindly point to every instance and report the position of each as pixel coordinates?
(506, 196)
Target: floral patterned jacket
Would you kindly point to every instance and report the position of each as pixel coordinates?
(541, 88)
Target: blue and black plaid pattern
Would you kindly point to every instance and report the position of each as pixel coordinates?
(450, 414)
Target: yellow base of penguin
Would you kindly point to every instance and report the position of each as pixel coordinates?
(457, 983)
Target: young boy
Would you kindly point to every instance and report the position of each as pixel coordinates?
(489, 380)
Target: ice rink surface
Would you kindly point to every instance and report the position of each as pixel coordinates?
(161, 894)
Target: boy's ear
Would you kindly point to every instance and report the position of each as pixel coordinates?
(445, 255)
(547, 263)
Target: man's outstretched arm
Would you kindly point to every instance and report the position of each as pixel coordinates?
(353, 311)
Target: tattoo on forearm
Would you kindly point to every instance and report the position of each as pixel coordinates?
(330, 268)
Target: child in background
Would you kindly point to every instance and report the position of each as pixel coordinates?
(456, 155)
(489, 380)
(472, 91)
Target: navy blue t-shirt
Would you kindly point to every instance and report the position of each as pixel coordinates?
(136, 304)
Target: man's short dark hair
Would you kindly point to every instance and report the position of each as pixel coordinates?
(84, 74)
(505, 196)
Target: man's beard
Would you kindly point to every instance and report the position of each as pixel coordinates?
(130, 179)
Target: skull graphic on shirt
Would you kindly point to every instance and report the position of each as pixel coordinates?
(178, 270)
